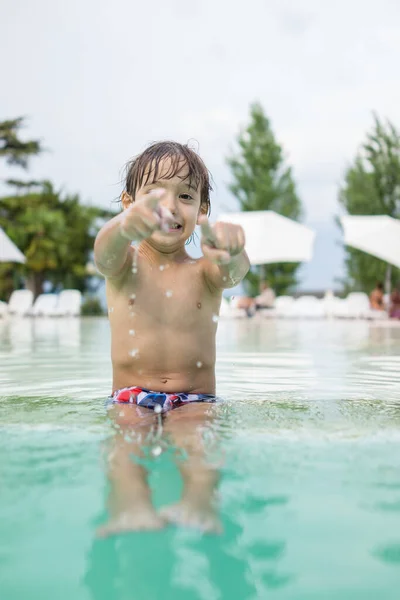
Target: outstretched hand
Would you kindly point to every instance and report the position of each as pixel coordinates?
(146, 215)
(222, 241)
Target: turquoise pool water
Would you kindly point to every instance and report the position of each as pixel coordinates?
(310, 488)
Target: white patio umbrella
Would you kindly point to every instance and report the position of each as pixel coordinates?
(272, 238)
(377, 235)
(8, 250)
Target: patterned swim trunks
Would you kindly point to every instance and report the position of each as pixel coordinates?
(150, 399)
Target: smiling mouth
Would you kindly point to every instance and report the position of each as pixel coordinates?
(175, 227)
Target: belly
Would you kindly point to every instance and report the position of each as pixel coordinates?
(165, 360)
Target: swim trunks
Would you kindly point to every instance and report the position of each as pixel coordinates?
(150, 399)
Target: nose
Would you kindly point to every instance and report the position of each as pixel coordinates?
(169, 201)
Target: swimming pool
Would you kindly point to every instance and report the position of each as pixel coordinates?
(310, 488)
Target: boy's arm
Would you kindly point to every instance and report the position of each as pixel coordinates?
(111, 248)
(223, 247)
(138, 220)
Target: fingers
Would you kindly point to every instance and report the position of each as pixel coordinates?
(222, 236)
(152, 199)
(166, 217)
(146, 215)
(219, 257)
(206, 229)
(139, 224)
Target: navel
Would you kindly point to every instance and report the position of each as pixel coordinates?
(199, 305)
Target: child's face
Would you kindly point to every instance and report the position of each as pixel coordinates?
(182, 200)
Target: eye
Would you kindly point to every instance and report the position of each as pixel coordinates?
(187, 197)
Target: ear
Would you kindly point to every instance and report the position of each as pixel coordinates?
(202, 211)
(126, 200)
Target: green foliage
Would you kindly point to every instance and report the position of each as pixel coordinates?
(12, 148)
(55, 233)
(261, 181)
(372, 187)
(91, 307)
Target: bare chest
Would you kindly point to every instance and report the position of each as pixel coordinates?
(171, 297)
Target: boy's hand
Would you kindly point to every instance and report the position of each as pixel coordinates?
(222, 241)
(145, 215)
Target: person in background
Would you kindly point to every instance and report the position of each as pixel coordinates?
(394, 311)
(376, 297)
(266, 299)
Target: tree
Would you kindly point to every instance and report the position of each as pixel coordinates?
(261, 181)
(15, 151)
(55, 232)
(371, 186)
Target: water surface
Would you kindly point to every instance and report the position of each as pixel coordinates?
(310, 490)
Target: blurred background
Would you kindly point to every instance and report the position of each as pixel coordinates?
(299, 98)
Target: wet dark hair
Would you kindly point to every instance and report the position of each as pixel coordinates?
(145, 168)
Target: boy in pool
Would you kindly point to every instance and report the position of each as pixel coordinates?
(163, 308)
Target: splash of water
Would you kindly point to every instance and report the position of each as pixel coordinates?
(134, 261)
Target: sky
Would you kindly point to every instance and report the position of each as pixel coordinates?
(99, 80)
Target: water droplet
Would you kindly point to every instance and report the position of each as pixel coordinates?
(224, 278)
(131, 313)
(131, 332)
(111, 310)
(199, 364)
(134, 352)
(162, 267)
(157, 409)
(132, 296)
(134, 270)
(121, 414)
(215, 318)
(156, 451)
(168, 293)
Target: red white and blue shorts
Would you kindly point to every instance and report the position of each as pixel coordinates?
(150, 399)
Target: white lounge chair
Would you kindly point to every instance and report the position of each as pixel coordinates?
(360, 307)
(20, 302)
(333, 306)
(356, 306)
(69, 304)
(45, 305)
(282, 306)
(225, 310)
(307, 307)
